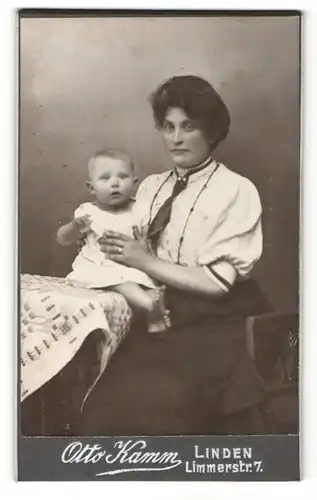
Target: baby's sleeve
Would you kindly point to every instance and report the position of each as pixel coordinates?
(96, 223)
(232, 249)
(81, 210)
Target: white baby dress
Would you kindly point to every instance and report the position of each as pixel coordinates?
(91, 267)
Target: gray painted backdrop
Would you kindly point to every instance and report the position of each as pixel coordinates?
(85, 84)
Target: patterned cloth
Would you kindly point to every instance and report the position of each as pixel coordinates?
(56, 318)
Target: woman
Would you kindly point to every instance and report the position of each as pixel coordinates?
(203, 227)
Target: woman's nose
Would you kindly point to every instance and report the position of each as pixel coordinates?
(177, 136)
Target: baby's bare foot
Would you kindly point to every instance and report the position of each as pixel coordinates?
(158, 318)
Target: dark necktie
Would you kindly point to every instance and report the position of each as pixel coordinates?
(163, 215)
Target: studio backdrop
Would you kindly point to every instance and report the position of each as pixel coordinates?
(84, 86)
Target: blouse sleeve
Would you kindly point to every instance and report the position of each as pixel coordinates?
(232, 249)
(142, 203)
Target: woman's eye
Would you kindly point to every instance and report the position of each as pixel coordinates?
(168, 127)
(189, 127)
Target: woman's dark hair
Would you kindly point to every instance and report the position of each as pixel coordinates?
(198, 99)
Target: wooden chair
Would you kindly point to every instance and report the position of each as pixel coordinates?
(273, 342)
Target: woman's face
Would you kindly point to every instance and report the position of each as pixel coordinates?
(186, 143)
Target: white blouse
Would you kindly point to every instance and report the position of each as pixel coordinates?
(222, 233)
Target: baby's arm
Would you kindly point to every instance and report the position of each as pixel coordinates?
(69, 233)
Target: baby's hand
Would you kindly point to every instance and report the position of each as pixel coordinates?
(84, 223)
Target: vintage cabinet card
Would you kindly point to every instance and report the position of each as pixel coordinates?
(159, 167)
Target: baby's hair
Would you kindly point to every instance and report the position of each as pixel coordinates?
(109, 153)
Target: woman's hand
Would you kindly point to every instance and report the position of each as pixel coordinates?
(135, 253)
(125, 250)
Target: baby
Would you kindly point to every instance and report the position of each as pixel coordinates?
(111, 181)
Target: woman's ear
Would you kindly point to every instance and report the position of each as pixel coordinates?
(213, 143)
(89, 186)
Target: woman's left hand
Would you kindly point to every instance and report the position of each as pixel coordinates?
(125, 250)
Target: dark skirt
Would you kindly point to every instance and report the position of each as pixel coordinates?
(185, 380)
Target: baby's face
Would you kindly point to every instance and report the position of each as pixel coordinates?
(111, 181)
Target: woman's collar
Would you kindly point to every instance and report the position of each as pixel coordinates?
(181, 172)
(198, 171)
